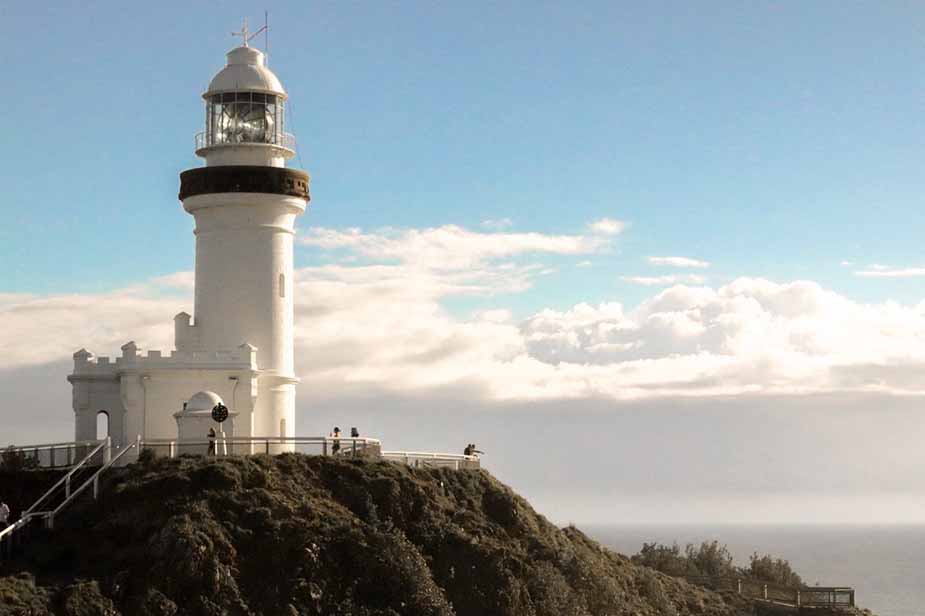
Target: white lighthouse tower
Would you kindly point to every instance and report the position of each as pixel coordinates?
(245, 202)
(238, 346)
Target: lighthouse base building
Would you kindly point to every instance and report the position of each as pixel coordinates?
(237, 348)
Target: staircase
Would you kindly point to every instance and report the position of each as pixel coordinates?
(85, 475)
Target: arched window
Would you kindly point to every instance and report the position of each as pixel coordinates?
(282, 428)
(282, 285)
(102, 425)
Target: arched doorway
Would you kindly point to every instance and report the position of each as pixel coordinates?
(102, 425)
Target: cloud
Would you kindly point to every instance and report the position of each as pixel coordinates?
(386, 327)
(882, 271)
(449, 246)
(497, 224)
(846, 263)
(677, 262)
(664, 281)
(607, 226)
(382, 322)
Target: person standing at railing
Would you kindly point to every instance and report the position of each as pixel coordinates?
(4, 515)
(335, 448)
(211, 441)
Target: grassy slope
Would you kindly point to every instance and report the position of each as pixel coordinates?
(310, 535)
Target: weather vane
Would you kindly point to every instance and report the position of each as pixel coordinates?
(247, 36)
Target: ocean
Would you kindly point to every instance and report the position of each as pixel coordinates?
(885, 564)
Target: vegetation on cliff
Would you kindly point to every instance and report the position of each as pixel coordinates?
(297, 534)
(714, 560)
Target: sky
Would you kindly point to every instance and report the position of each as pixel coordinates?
(661, 261)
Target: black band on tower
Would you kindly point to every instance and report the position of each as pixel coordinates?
(244, 178)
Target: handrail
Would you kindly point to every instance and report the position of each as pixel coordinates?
(260, 439)
(430, 454)
(26, 448)
(93, 479)
(793, 595)
(280, 139)
(67, 478)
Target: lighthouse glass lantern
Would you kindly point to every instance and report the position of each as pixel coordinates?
(244, 117)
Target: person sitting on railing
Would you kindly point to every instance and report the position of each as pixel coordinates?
(335, 448)
(4, 515)
(468, 450)
(475, 452)
(354, 433)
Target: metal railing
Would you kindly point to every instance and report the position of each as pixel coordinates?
(432, 460)
(283, 140)
(250, 445)
(805, 596)
(51, 455)
(94, 481)
(100, 456)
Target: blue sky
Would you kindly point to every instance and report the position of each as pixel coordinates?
(772, 139)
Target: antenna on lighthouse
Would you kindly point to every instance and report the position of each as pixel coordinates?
(247, 36)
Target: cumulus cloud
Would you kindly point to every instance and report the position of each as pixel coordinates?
(677, 262)
(664, 281)
(607, 226)
(386, 326)
(382, 321)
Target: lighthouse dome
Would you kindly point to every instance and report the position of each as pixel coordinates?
(203, 401)
(246, 72)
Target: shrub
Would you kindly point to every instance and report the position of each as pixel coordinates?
(711, 559)
(775, 570)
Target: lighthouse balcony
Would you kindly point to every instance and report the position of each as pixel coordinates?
(207, 140)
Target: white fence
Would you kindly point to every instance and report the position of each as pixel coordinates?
(66, 455)
(419, 459)
(249, 445)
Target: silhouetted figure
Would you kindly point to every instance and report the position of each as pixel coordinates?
(335, 434)
(468, 450)
(211, 441)
(475, 452)
(354, 433)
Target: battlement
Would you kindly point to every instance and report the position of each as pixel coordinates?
(87, 365)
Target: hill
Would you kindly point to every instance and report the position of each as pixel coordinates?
(296, 534)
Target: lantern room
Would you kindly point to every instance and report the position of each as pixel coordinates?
(245, 114)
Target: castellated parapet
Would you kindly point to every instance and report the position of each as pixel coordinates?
(141, 393)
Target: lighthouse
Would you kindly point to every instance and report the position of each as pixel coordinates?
(237, 346)
(245, 202)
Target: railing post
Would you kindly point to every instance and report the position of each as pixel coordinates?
(67, 487)
(765, 591)
(96, 485)
(107, 451)
(52, 456)
(268, 446)
(324, 447)
(739, 585)
(799, 599)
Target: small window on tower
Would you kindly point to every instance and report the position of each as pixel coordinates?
(282, 285)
